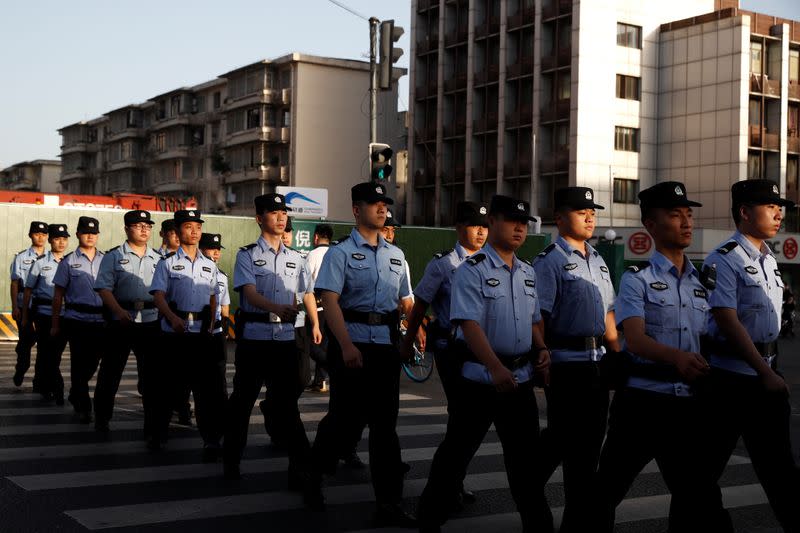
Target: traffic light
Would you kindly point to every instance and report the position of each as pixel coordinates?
(389, 55)
(380, 156)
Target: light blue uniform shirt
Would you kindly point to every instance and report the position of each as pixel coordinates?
(279, 276)
(128, 277)
(749, 281)
(40, 280)
(500, 299)
(223, 296)
(367, 279)
(675, 310)
(76, 274)
(577, 292)
(436, 284)
(20, 266)
(190, 284)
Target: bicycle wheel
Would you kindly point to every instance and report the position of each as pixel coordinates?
(420, 368)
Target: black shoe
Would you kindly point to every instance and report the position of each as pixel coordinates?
(18, 377)
(429, 527)
(353, 461)
(85, 417)
(405, 467)
(391, 514)
(231, 472)
(101, 426)
(46, 396)
(467, 496)
(211, 453)
(36, 389)
(312, 495)
(153, 444)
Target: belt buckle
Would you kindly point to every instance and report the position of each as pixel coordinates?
(518, 362)
(373, 319)
(590, 343)
(274, 318)
(138, 305)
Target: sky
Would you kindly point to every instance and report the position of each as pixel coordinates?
(63, 62)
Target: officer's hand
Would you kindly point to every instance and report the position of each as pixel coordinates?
(177, 324)
(27, 322)
(543, 366)
(287, 313)
(422, 339)
(503, 379)
(16, 314)
(692, 366)
(55, 331)
(352, 356)
(774, 383)
(316, 334)
(125, 318)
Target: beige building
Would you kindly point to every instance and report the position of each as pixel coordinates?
(40, 175)
(297, 120)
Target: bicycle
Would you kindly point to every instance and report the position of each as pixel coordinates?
(420, 367)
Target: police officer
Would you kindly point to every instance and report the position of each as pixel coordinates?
(576, 296)
(20, 266)
(362, 282)
(747, 395)
(184, 291)
(37, 309)
(389, 233)
(169, 237)
(123, 283)
(662, 308)
(83, 324)
(211, 247)
(495, 308)
(268, 276)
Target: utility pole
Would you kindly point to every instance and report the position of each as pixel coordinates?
(373, 79)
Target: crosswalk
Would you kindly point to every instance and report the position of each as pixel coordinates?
(58, 475)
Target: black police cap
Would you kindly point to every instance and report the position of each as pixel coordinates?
(187, 215)
(211, 241)
(510, 208)
(88, 225)
(575, 198)
(667, 194)
(472, 214)
(391, 221)
(37, 227)
(758, 192)
(270, 202)
(136, 216)
(57, 230)
(370, 193)
(168, 225)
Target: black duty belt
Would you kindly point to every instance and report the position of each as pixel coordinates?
(656, 372)
(511, 362)
(196, 315)
(253, 317)
(85, 308)
(137, 305)
(370, 318)
(723, 348)
(577, 344)
(42, 301)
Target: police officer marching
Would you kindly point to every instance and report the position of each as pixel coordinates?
(184, 291)
(37, 309)
(211, 247)
(434, 289)
(123, 283)
(269, 276)
(83, 323)
(746, 395)
(20, 266)
(662, 309)
(495, 309)
(361, 282)
(576, 296)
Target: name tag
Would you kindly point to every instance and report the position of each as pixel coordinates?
(701, 293)
(659, 286)
(27, 261)
(358, 257)
(75, 265)
(123, 261)
(207, 269)
(396, 262)
(177, 267)
(570, 266)
(493, 282)
(291, 265)
(47, 268)
(259, 262)
(530, 283)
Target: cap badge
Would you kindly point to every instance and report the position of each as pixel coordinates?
(61, 228)
(678, 190)
(91, 224)
(379, 190)
(588, 195)
(216, 239)
(388, 214)
(41, 226)
(191, 213)
(143, 214)
(521, 206)
(482, 210)
(775, 189)
(278, 199)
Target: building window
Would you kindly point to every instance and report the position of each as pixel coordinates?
(626, 139)
(794, 67)
(161, 142)
(628, 87)
(217, 100)
(626, 191)
(756, 49)
(629, 35)
(254, 118)
(753, 166)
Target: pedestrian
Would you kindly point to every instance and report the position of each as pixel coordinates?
(576, 296)
(123, 284)
(495, 309)
(211, 247)
(268, 277)
(662, 308)
(20, 266)
(746, 395)
(434, 289)
(37, 310)
(184, 291)
(323, 233)
(83, 323)
(362, 282)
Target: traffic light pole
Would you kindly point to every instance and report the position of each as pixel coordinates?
(373, 79)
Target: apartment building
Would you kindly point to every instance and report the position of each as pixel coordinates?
(297, 120)
(38, 175)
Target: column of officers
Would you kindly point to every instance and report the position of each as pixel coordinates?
(697, 368)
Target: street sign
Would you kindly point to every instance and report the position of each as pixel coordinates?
(305, 202)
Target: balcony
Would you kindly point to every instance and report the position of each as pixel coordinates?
(456, 83)
(286, 96)
(523, 17)
(488, 75)
(523, 67)
(173, 186)
(794, 90)
(429, 44)
(760, 83)
(429, 89)
(763, 138)
(559, 111)
(131, 162)
(488, 122)
(793, 145)
(522, 116)
(260, 134)
(74, 174)
(491, 27)
(557, 162)
(264, 96)
(80, 146)
(173, 152)
(556, 8)
(456, 36)
(21, 183)
(286, 135)
(455, 128)
(485, 172)
(263, 173)
(562, 58)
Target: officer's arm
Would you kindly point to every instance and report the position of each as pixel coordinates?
(611, 336)
(26, 304)
(415, 317)
(645, 346)
(739, 339)
(334, 318)
(479, 345)
(58, 297)
(111, 303)
(406, 304)
(14, 295)
(256, 300)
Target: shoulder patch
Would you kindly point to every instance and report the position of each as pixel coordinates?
(22, 251)
(222, 272)
(114, 248)
(248, 247)
(493, 282)
(475, 259)
(340, 241)
(40, 256)
(570, 266)
(69, 254)
(550, 247)
(751, 269)
(727, 247)
(638, 267)
(167, 256)
(439, 255)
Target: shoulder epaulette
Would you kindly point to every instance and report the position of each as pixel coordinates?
(340, 241)
(727, 247)
(638, 267)
(443, 253)
(21, 252)
(156, 250)
(526, 261)
(169, 255)
(115, 248)
(221, 271)
(248, 247)
(67, 255)
(475, 259)
(550, 248)
(40, 256)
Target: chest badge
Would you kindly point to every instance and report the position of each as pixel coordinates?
(27, 261)
(530, 283)
(604, 268)
(259, 262)
(570, 266)
(701, 293)
(659, 285)
(358, 257)
(177, 267)
(207, 269)
(47, 268)
(123, 261)
(751, 270)
(291, 265)
(396, 262)
(493, 282)
(75, 265)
